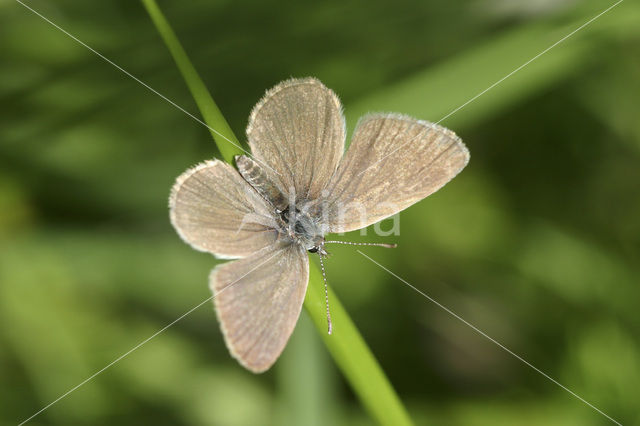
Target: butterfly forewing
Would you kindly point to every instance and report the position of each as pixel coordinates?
(258, 300)
(393, 162)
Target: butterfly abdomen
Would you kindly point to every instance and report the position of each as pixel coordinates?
(258, 179)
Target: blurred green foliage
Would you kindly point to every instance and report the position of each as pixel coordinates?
(537, 242)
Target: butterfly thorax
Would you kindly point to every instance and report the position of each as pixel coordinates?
(292, 223)
(302, 228)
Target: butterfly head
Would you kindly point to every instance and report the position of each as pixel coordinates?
(319, 248)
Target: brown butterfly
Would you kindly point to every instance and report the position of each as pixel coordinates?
(298, 187)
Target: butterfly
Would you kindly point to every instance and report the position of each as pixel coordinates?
(298, 186)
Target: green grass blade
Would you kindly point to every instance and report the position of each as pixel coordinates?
(346, 345)
(353, 356)
(224, 137)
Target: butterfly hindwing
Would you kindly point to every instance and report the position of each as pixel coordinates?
(215, 210)
(296, 133)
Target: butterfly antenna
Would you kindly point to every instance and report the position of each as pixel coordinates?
(349, 243)
(326, 295)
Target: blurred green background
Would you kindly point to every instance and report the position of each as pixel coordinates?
(537, 242)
